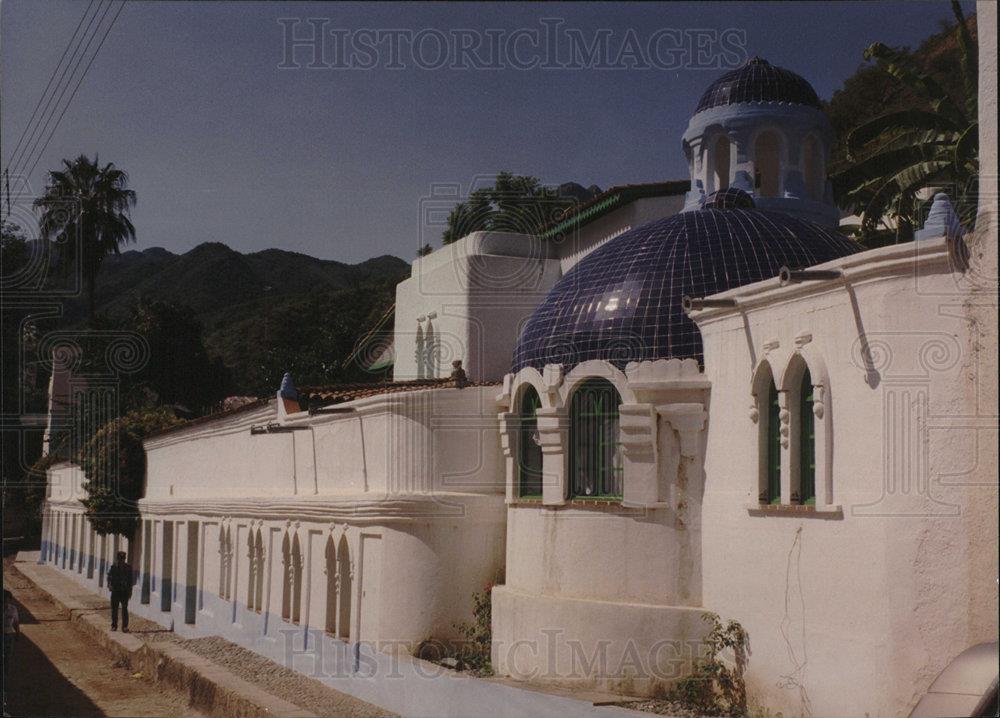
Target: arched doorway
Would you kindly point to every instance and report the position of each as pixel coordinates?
(344, 592)
(330, 625)
(720, 164)
(767, 164)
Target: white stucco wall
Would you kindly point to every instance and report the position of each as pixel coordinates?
(407, 442)
(407, 488)
(854, 612)
(599, 592)
(467, 301)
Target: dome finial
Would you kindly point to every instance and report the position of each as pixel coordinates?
(729, 198)
(287, 389)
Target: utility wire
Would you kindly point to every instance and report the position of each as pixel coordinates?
(73, 94)
(46, 113)
(45, 92)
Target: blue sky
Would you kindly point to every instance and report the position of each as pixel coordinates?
(223, 144)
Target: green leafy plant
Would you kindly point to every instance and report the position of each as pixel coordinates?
(715, 686)
(931, 143)
(114, 462)
(474, 651)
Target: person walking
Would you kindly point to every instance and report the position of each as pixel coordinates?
(120, 583)
(11, 628)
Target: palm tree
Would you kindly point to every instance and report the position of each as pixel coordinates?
(85, 209)
(896, 155)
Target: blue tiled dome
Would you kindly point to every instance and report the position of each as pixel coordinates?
(622, 302)
(758, 81)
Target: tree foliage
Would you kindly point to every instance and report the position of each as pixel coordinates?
(514, 203)
(927, 137)
(180, 370)
(85, 209)
(114, 462)
(309, 337)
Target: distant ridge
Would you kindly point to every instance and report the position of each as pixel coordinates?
(232, 294)
(212, 277)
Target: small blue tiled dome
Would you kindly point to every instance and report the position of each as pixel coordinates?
(758, 81)
(622, 302)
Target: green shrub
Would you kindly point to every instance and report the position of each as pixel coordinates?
(474, 651)
(714, 687)
(115, 465)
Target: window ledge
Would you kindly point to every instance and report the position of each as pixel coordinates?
(646, 505)
(526, 501)
(829, 511)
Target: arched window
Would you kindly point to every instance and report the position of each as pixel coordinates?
(259, 591)
(344, 590)
(720, 179)
(296, 580)
(430, 351)
(529, 447)
(767, 164)
(251, 571)
(331, 587)
(225, 563)
(812, 168)
(807, 442)
(594, 450)
(772, 449)
(286, 578)
(222, 562)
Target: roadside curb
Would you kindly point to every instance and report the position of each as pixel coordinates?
(210, 688)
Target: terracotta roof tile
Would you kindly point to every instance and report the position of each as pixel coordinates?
(339, 393)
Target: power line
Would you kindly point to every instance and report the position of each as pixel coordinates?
(55, 69)
(46, 113)
(26, 158)
(78, 83)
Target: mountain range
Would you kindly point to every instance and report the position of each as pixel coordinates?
(236, 295)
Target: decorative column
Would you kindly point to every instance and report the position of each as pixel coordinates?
(509, 425)
(638, 428)
(553, 426)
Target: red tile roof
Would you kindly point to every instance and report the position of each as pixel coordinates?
(339, 393)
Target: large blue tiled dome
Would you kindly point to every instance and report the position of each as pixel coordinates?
(758, 81)
(622, 302)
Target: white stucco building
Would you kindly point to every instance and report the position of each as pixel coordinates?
(811, 454)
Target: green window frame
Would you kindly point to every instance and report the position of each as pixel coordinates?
(807, 442)
(595, 469)
(773, 491)
(529, 449)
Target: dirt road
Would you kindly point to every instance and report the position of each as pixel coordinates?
(56, 671)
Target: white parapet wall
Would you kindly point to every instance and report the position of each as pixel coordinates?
(467, 301)
(855, 604)
(334, 541)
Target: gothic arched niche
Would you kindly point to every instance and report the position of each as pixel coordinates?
(720, 163)
(767, 164)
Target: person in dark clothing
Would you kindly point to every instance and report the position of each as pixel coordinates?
(120, 583)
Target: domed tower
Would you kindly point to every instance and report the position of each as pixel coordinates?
(760, 129)
(622, 302)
